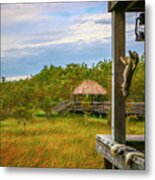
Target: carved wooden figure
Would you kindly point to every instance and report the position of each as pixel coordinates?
(130, 66)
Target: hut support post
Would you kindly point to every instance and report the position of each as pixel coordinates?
(98, 98)
(118, 101)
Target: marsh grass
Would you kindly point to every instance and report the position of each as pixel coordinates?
(56, 142)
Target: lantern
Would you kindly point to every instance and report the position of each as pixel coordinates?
(139, 27)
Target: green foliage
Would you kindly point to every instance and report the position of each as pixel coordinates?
(55, 84)
(39, 113)
(137, 89)
(46, 105)
(22, 112)
(109, 116)
(134, 118)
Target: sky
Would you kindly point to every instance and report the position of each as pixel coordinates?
(37, 34)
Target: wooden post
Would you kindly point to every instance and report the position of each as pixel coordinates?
(107, 164)
(74, 103)
(98, 98)
(118, 101)
(92, 98)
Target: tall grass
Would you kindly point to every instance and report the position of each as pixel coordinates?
(58, 142)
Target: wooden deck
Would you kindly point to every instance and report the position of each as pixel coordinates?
(132, 108)
(104, 144)
(99, 108)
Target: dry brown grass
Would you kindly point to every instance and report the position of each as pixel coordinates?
(59, 142)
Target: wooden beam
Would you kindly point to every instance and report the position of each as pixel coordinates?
(135, 6)
(118, 101)
(112, 5)
(127, 6)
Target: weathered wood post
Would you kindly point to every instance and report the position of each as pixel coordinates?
(118, 101)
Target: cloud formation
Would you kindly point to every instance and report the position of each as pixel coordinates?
(84, 28)
(55, 33)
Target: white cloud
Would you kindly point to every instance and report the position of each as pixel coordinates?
(90, 31)
(24, 12)
(17, 78)
(94, 17)
(130, 31)
(84, 29)
(13, 13)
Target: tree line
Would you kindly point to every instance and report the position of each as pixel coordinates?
(55, 84)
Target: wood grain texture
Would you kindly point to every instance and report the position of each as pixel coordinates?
(103, 146)
(128, 6)
(118, 101)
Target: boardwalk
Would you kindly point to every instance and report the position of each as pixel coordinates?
(132, 108)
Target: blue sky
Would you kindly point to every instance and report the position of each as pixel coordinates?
(38, 34)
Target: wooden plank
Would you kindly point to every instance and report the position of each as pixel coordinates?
(105, 151)
(118, 101)
(107, 164)
(139, 6)
(137, 141)
(127, 6)
(103, 146)
(112, 5)
(134, 138)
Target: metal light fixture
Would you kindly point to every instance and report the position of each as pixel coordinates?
(139, 27)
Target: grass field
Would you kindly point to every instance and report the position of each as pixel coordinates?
(61, 142)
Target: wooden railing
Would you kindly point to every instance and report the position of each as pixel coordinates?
(132, 108)
(61, 107)
(130, 156)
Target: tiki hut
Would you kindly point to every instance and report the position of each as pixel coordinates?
(89, 87)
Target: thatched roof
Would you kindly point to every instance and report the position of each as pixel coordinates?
(89, 87)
